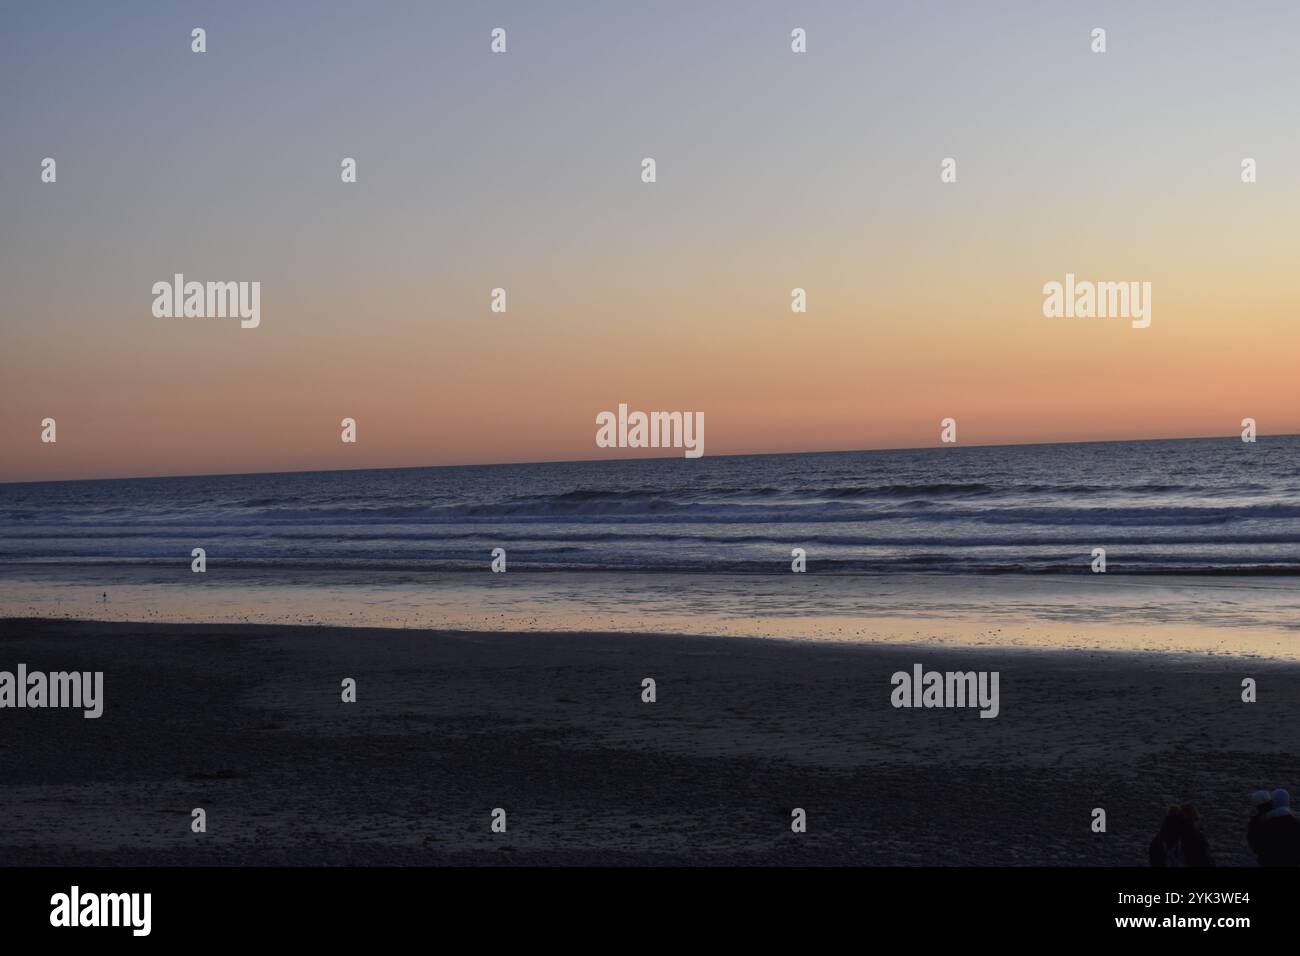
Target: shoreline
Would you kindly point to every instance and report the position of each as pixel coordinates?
(253, 630)
(1237, 617)
(246, 721)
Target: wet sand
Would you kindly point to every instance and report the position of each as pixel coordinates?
(246, 722)
(1227, 615)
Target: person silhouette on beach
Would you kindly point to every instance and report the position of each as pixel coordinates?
(1261, 802)
(1180, 841)
(1277, 838)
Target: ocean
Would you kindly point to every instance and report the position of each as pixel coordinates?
(1216, 506)
(989, 546)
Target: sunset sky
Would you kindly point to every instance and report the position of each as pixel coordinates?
(522, 171)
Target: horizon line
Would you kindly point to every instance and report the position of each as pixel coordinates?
(577, 461)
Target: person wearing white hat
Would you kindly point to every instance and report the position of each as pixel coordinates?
(1279, 833)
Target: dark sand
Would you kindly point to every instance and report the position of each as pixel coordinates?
(247, 722)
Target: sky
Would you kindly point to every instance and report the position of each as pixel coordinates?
(522, 171)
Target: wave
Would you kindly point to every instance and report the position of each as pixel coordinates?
(366, 536)
(268, 568)
(668, 511)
